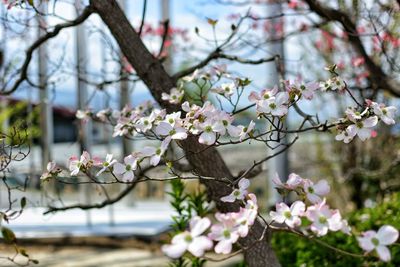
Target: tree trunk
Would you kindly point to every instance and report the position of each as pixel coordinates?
(208, 162)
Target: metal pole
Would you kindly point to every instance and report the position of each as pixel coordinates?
(85, 128)
(165, 15)
(46, 111)
(280, 163)
(106, 127)
(124, 92)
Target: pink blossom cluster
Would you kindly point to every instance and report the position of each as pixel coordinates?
(361, 123)
(319, 218)
(229, 227)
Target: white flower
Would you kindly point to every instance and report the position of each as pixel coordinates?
(324, 219)
(76, 164)
(210, 130)
(126, 171)
(386, 114)
(192, 240)
(290, 216)
(175, 132)
(363, 128)
(175, 96)
(107, 164)
(314, 192)
(154, 153)
(226, 232)
(52, 170)
(239, 193)
(276, 106)
(345, 135)
(245, 131)
(226, 89)
(378, 241)
(292, 183)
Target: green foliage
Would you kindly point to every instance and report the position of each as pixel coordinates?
(295, 251)
(185, 205)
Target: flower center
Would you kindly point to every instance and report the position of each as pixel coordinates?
(322, 219)
(375, 241)
(245, 129)
(173, 96)
(360, 125)
(272, 105)
(226, 233)
(146, 122)
(171, 120)
(311, 190)
(302, 87)
(227, 89)
(188, 238)
(225, 122)
(208, 129)
(384, 111)
(266, 96)
(158, 151)
(128, 167)
(172, 132)
(236, 193)
(287, 214)
(106, 164)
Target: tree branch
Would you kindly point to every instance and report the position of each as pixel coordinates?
(24, 69)
(378, 78)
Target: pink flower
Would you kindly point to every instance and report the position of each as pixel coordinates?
(386, 114)
(192, 240)
(245, 131)
(239, 193)
(290, 216)
(244, 219)
(126, 171)
(314, 192)
(276, 106)
(52, 170)
(292, 183)
(323, 219)
(109, 162)
(226, 232)
(75, 164)
(378, 241)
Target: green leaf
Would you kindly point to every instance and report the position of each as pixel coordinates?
(23, 202)
(8, 235)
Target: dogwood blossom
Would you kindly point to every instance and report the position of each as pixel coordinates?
(126, 171)
(52, 170)
(225, 232)
(191, 240)
(175, 96)
(108, 163)
(226, 89)
(323, 218)
(245, 131)
(244, 219)
(154, 153)
(289, 216)
(306, 89)
(276, 106)
(239, 193)
(292, 183)
(210, 130)
(379, 241)
(75, 164)
(314, 192)
(175, 132)
(362, 128)
(386, 114)
(345, 135)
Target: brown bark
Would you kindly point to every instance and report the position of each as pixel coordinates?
(206, 162)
